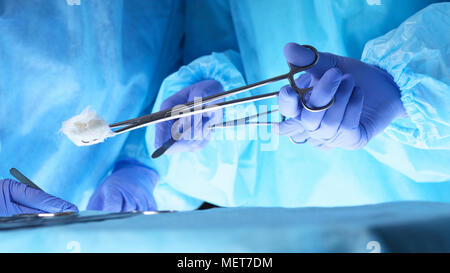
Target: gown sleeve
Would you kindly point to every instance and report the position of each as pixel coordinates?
(417, 55)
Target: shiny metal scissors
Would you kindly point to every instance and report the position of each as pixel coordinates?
(200, 106)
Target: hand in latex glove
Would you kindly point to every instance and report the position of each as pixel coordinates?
(18, 198)
(128, 188)
(191, 133)
(367, 100)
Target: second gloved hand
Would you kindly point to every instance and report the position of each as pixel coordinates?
(18, 198)
(128, 188)
(191, 133)
(366, 101)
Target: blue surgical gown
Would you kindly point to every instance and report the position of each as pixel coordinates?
(56, 59)
(407, 38)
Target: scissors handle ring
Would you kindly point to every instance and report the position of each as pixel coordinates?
(283, 118)
(303, 91)
(316, 109)
(296, 142)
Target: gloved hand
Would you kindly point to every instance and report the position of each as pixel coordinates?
(191, 133)
(367, 100)
(128, 188)
(18, 198)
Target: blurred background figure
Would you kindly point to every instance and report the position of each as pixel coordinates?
(57, 57)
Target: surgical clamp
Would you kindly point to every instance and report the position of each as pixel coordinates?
(199, 106)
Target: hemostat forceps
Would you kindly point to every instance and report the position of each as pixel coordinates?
(199, 106)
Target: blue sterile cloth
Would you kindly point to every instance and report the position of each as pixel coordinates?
(389, 227)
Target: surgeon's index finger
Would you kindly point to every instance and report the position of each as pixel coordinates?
(302, 56)
(321, 95)
(326, 88)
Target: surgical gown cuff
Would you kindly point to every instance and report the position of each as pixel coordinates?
(224, 67)
(414, 54)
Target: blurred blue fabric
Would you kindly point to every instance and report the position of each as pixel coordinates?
(393, 227)
(56, 59)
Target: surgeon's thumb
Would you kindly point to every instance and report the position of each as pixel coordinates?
(27, 196)
(302, 56)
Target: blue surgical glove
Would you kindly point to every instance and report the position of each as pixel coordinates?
(367, 100)
(128, 188)
(191, 133)
(18, 198)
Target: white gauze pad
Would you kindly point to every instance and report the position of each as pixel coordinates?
(86, 128)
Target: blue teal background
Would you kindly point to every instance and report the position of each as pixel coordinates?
(393, 227)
